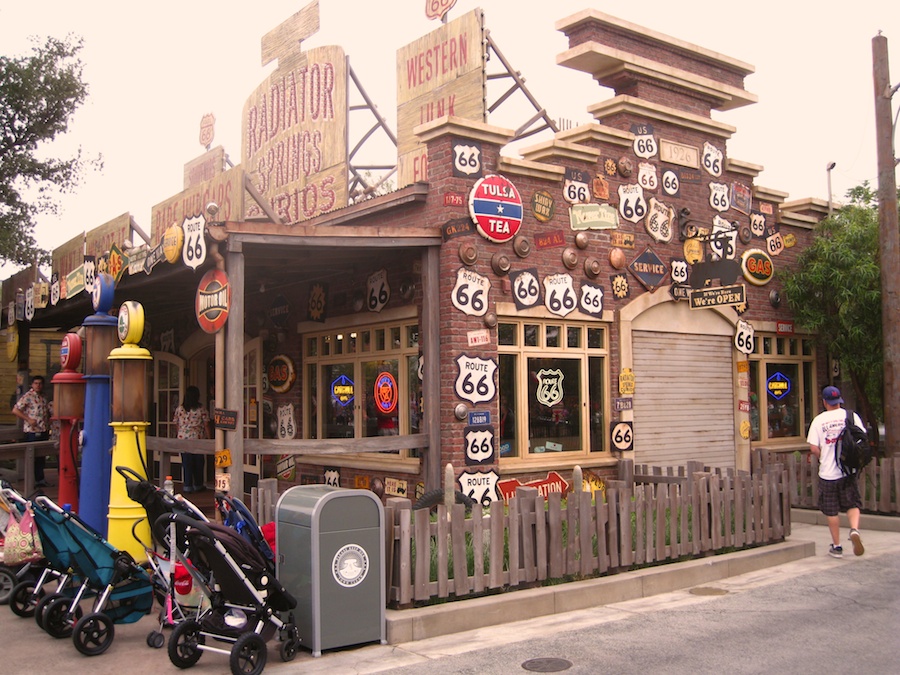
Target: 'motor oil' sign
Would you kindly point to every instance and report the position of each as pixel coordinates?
(213, 301)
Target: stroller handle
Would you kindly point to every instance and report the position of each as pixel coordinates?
(14, 496)
(48, 503)
(167, 518)
(127, 472)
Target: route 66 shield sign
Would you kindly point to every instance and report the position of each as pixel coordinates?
(467, 160)
(479, 485)
(379, 291)
(632, 205)
(559, 294)
(659, 221)
(479, 442)
(193, 254)
(647, 176)
(758, 224)
(575, 186)
(718, 197)
(743, 337)
(470, 295)
(287, 426)
(29, 303)
(475, 379)
(54, 289)
(525, 287)
(712, 159)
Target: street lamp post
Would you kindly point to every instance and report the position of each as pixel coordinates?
(828, 170)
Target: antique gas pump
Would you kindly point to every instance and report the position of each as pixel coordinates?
(128, 524)
(99, 340)
(68, 408)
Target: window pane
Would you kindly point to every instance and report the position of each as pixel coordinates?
(782, 399)
(379, 340)
(395, 338)
(554, 405)
(595, 338)
(382, 405)
(596, 391)
(506, 334)
(313, 402)
(312, 347)
(573, 337)
(339, 417)
(553, 337)
(415, 399)
(531, 335)
(754, 401)
(412, 336)
(508, 397)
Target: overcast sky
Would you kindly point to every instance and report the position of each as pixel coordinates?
(154, 70)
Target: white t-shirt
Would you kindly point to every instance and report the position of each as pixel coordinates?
(824, 432)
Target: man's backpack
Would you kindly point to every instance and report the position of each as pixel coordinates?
(852, 449)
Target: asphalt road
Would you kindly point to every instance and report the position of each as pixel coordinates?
(815, 615)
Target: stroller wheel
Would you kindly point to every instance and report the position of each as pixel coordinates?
(93, 634)
(24, 598)
(248, 655)
(58, 621)
(288, 649)
(40, 609)
(7, 582)
(184, 644)
(156, 639)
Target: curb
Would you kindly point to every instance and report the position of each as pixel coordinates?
(454, 617)
(867, 521)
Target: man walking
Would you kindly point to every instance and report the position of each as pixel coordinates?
(34, 410)
(837, 492)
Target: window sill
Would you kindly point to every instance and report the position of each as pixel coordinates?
(554, 460)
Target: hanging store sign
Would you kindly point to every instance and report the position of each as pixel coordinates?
(719, 296)
(213, 301)
(496, 208)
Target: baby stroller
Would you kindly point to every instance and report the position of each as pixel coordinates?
(237, 516)
(29, 592)
(123, 589)
(11, 575)
(175, 589)
(245, 598)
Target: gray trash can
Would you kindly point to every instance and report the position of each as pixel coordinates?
(330, 546)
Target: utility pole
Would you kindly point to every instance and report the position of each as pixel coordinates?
(890, 242)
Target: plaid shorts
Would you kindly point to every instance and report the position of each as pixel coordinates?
(838, 495)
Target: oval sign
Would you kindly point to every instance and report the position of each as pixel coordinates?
(386, 393)
(173, 240)
(213, 301)
(496, 208)
(757, 266)
(281, 373)
(70, 352)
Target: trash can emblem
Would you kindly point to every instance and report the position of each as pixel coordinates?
(350, 565)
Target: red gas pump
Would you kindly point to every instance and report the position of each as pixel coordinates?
(68, 408)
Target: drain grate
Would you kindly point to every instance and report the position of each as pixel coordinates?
(547, 665)
(708, 590)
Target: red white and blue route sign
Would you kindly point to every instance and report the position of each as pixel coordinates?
(496, 208)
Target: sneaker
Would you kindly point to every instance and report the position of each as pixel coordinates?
(858, 548)
(836, 551)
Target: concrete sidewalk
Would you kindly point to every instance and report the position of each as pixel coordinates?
(418, 635)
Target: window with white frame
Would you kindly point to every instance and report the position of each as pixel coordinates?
(363, 382)
(552, 386)
(782, 387)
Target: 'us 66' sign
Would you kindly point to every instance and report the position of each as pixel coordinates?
(475, 379)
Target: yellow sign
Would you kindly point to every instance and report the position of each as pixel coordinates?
(173, 240)
(593, 482)
(12, 342)
(223, 458)
(693, 251)
(626, 382)
(745, 429)
(743, 366)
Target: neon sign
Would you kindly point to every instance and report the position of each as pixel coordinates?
(778, 386)
(342, 390)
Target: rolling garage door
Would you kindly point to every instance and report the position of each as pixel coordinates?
(683, 400)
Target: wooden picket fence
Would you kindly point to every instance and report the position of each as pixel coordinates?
(652, 517)
(879, 483)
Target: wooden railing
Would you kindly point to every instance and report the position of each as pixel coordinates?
(531, 539)
(12, 447)
(879, 482)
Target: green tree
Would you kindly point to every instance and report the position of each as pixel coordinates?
(835, 290)
(38, 95)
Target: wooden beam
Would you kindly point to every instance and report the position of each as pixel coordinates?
(284, 40)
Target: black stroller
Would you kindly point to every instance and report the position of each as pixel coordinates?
(245, 599)
(157, 503)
